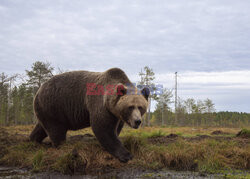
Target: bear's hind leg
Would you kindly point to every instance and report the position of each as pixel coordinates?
(57, 134)
(38, 134)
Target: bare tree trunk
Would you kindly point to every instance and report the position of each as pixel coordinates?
(162, 120)
(8, 105)
(148, 116)
(34, 115)
(143, 121)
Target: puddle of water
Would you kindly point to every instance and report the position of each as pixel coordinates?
(135, 173)
(7, 173)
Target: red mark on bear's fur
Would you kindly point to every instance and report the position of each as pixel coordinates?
(109, 90)
(91, 89)
(120, 90)
(100, 90)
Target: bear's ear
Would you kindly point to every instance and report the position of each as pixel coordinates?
(145, 92)
(121, 89)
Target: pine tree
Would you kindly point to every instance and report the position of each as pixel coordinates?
(147, 79)
(39, 74)
(164, 100)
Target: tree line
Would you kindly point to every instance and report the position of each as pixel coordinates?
(198, 113)
(189, 112)
(17, 93)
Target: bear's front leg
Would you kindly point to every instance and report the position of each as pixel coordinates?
(105, 132)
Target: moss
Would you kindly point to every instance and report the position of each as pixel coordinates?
(148, 175)
(156, 133)
(179, 133)
(237, 176)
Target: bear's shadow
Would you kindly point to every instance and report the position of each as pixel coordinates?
(82, 138)
(72, 139)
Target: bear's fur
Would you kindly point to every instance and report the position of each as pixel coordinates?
(62, 104)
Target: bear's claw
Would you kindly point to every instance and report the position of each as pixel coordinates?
(125, 157)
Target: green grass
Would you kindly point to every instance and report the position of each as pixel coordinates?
(38, 160)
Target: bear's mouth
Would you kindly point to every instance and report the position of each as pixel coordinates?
(130, 125)
(136, 127)
(133, 124)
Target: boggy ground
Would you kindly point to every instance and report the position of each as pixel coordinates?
(155, 150)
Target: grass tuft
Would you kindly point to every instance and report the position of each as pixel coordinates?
(244, 133)
(157, 133)
(38, 161)
(134, 144)
(71, 163)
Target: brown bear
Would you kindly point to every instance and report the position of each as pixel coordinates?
(80, 99)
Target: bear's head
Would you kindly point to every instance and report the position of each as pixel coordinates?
(129, 106)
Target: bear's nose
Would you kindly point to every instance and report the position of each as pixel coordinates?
(137, 122)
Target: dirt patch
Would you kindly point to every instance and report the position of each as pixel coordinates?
(170, 136)
(197, 138)
(164, 139)
(219, 132)
(83, 138)
(242, 142)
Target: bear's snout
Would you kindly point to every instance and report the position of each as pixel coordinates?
(137, 123)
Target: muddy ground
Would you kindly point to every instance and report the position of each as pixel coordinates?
(171, 138)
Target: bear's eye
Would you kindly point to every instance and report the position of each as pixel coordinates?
(140, 108)
(131, 107)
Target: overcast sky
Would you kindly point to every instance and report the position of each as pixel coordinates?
(206, 41)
